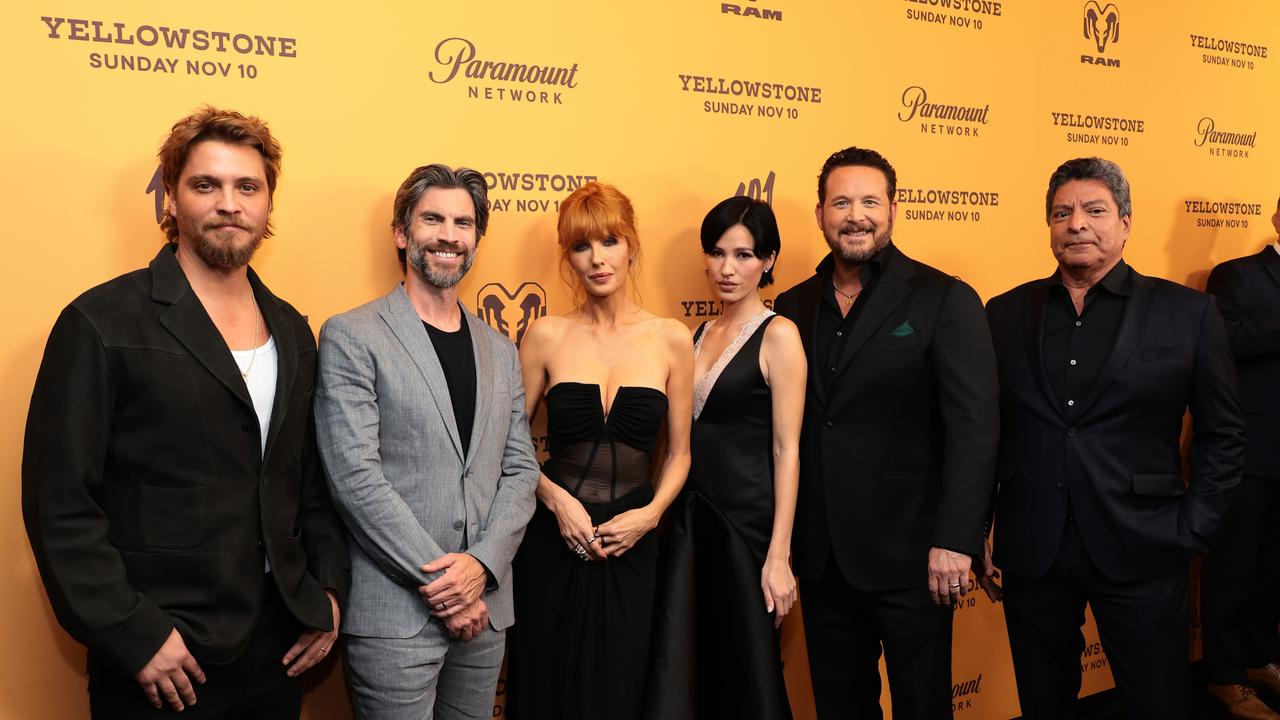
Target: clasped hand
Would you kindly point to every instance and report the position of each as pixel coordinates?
(456, 596)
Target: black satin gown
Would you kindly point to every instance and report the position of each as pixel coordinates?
(579, 649)
(716, 653)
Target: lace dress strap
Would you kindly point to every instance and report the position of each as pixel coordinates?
(702, 386)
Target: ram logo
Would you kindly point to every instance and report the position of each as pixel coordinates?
(1101, 24)
(511, 313)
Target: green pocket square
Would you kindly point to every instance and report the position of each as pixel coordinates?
(902, 330)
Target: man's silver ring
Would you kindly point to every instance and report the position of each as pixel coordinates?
(444, 604)
(954, 586)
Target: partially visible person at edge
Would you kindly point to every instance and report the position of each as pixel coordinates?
(170, 482)
(612, 375)
(725, 565)
(1241, 577)
(897, 452)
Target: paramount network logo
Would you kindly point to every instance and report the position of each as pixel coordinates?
(757, 190)
(1102, 26)
(511, 313)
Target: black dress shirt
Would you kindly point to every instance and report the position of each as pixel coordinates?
(832, 329)
(1076, 347)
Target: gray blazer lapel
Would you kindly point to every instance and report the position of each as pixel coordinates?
(484, 379)
(407, 327)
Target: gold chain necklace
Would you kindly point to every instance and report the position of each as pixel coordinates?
(844, 296)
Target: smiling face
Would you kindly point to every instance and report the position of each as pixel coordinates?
(733, 267)
(857, 215)
(222, 203)
(441, 242)
(1086, 232)
(601, 264)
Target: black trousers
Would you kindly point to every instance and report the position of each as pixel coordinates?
(253, 686)
(845, 629)
(1142, 625)
(1240, 584)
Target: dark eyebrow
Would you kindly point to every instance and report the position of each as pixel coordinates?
(212, 180)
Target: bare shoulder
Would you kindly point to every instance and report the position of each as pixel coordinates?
(675, 334)
(781, 330)
(548, 328)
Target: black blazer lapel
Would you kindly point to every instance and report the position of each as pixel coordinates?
(1137, 313)
(807, 297)
(286, 354)
(1032, 319)
(187, 320)
(890, 290)
(1271, 259)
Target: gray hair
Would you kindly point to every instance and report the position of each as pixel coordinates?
(1091, 168)
(437, 175)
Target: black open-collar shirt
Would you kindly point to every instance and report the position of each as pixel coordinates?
(1074, 348)
(831, 329)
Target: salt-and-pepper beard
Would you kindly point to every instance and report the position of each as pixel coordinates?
(418, 261)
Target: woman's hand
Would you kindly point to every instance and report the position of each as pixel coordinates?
(624, 530)
(575, 526)
(779, 587)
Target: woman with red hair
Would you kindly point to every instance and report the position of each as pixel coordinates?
(611, 375)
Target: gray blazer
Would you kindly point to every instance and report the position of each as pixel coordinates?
(396, 470)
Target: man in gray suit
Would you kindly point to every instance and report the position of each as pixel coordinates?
(421, 424)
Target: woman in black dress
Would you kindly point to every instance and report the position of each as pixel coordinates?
(612, 375)
(725, 573)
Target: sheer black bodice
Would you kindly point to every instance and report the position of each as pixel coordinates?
(596, 458)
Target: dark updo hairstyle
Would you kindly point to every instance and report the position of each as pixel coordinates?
(756, 216)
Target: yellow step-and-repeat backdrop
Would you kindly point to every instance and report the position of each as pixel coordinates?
(679, 104)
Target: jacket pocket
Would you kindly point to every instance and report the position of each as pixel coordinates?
(1162, 353)
(187, 586)
(171, 518)
(890, 344)
(1159, 484)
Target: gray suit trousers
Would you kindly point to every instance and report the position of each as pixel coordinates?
(426, 676)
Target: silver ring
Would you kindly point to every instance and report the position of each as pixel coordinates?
(444, 605)
(957, 585)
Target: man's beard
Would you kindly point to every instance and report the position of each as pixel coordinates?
(224, 253)
(419, 261)
(861, 254)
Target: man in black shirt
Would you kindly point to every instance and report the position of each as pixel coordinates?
(1098, 365)
(421, 423)
(897, 452)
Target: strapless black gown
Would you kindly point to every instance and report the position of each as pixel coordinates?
(579, 649)
(716, 653)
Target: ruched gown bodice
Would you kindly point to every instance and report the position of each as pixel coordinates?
(580, 647)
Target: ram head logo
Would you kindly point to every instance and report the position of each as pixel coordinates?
(511, 313)
(1102, 24)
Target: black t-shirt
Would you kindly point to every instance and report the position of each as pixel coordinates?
(459, 364)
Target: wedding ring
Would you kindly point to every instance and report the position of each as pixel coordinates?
(954, 586)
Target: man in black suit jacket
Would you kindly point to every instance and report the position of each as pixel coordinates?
(1098, 365)
(897, 452)
(170, 459)
(1241, 578)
